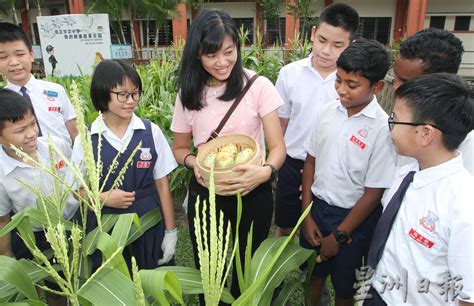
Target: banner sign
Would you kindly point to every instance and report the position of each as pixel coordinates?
(121, 51)
(73, 44)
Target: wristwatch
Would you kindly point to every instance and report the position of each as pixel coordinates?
(341, 237)
(274, 175)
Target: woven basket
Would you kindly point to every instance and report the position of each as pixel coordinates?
(242, 141)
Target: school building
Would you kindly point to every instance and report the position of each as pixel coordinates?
(384, 20)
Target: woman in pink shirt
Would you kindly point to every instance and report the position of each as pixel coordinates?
(211, 77)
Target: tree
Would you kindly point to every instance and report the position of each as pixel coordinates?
(159, 11)
(303, 10)
(272, 12)
(7, 6)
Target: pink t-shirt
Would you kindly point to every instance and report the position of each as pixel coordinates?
(261, 99)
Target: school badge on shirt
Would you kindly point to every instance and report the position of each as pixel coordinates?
(51, 95)
(364, 132)
(145, 157)
(429, 221)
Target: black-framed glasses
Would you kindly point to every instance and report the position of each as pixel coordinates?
(123, 96)
(391, 123)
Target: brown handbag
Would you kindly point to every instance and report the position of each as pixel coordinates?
(234, 105)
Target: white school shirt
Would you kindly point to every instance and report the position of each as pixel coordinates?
(433, 233)
(165, 162)
(15, 197)
(351, 153)
(304, 92)
(52, 106)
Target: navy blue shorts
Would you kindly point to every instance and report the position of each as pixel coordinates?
(342, 267)
(287, 197)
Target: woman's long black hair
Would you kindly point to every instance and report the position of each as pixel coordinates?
(206, 36)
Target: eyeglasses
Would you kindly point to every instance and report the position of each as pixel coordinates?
(391, 123)
(123, 96)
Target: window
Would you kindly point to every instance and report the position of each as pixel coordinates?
(272, 31)
(247, 24)
(462, 23)
(437, 22)
(377, 28)
(165, 33)
(116, 35)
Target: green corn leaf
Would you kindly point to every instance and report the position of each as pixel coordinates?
(190, 280)
(25, 303)
(156, 282)
(288, 288)
(108, 287)
(290, 259)
(34, 273)
(11, 272)
(108, 222)
(147, 221)
(247, 296)
(122, 228)
(35, 217)
(108, 246)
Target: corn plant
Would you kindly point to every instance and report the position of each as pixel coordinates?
(66, 263)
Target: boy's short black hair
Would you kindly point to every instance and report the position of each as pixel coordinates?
(10, 32)
(443, 100)
(439, 50)
(367, 57)
(108, 75)
(13, 107)
(340, 15)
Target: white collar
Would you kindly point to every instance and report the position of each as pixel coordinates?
(370, 110)
(29, 85)
(309, 65)
(432, 174)
(99, 124)
(9, 164)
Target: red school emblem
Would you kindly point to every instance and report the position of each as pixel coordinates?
(143, 164)
(420, 239)
(59, 165)
(358, 142)
(54, 109)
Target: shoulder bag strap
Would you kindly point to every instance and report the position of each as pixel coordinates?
(234, 105)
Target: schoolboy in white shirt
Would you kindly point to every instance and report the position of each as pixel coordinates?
(305, 86)
(18, 127)
(350, 162)
(53, 109)
(430, 247)
(430, 51)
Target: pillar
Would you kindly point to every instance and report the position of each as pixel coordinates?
(292, 26)
(415, 16)
(179, 23)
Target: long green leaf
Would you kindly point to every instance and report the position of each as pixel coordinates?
(147, 221)
(247, 296)
(122, 228)
(290, 259)
(108, 222)
(288, 288)
(25, 303)
(190, 280)
(34, 273)
(108, 246)
(108, 287)
(11, 271)
(156, 282)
